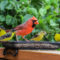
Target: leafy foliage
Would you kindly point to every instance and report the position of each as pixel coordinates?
(15, 12)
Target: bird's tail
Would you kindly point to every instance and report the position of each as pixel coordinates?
(12, 30)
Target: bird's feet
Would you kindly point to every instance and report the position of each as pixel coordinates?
(17, 38)
(27, 40)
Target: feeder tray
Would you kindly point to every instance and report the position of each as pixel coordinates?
(16, 45)
(31, 45)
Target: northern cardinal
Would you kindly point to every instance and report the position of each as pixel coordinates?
(39, 36)
(26, 28)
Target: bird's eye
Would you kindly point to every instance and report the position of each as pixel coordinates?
(34, 21)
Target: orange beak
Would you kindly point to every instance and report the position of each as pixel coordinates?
(36, 22)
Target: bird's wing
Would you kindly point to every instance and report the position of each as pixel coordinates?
(20, 27)
(35, 36)
(5, 36)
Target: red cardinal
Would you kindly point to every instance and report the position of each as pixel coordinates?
(26, 28)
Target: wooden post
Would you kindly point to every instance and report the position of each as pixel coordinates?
(33, 55)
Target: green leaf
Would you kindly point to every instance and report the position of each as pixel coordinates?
(24, 1)
(14, 22)
(2, 18)
(17, 6)
(53, 24)
(26, 17)
(32, 11)
(47, 7)
(8, 20)
(42, 11)
(3, 4)
(12, 2)
(9, 7)
(47, 1)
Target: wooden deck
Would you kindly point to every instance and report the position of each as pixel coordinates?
(33, 55)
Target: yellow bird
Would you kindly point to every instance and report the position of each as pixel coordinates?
(8, 36)
(57, 37)
(2, 31)
(4, 35)
(39, 36)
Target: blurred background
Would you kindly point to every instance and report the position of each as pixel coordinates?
(15, 12)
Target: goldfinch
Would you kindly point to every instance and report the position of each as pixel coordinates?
(39, 36)
(2, 31)
(8, 36)
(57, 37)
